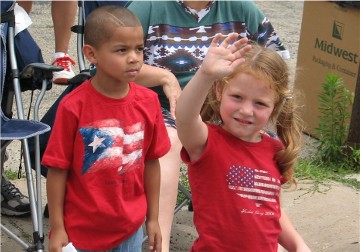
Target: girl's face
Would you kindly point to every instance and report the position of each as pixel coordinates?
(246, 105)
(119, 60)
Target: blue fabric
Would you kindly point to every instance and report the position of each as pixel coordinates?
(6, 5)
(3, 31)
(12, 129)
(15, 129)
(26, 50)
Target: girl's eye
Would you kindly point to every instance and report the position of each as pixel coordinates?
(238, 97)
(140, 49)
(262, 104)
(121, 50)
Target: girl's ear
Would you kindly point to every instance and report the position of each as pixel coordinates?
(89, 53)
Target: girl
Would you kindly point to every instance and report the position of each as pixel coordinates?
(235, 170)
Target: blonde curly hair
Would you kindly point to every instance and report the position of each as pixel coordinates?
(267, 65)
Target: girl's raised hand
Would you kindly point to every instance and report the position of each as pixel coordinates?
(222, 58)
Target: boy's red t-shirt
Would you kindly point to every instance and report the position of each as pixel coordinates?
(103, 143)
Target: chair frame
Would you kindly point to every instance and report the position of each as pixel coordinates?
(44, 72)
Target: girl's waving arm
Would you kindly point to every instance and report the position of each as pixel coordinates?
(220, 61)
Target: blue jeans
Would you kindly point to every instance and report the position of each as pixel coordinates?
(132, 244)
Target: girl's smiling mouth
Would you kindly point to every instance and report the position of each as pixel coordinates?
(243, 121)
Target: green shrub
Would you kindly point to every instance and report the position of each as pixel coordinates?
(183, 179)
(335, 103)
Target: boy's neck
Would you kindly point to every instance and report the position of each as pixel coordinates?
(115, 92)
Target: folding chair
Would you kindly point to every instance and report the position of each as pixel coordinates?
(22, 129)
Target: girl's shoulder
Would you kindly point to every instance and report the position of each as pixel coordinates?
(272, 139)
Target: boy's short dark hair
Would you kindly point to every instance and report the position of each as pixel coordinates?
(100, 24)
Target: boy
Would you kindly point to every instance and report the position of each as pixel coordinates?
(109, 133)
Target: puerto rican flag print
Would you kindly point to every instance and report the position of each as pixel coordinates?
(253, 184)
(109, 145)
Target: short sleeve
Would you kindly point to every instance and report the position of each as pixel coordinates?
(160, 142)
(60, 148)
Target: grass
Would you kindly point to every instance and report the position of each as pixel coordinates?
(183, 179)
(12, 175)
(321, 174)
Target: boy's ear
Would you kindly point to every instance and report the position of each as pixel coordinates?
(89, 53)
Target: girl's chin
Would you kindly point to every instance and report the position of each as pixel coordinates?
(245, 135)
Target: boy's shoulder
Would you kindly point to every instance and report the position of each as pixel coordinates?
(143, 92)
(77, 93)
(82, 93)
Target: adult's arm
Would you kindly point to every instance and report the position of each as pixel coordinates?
(151, 76)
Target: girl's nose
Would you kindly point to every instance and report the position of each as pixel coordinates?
(246, 108)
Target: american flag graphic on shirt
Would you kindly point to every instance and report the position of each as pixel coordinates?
(253, 184)
(108, 145)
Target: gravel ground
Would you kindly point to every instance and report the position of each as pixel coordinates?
(328, 219)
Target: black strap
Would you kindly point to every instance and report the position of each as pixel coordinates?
(8, 16)
(348, 4)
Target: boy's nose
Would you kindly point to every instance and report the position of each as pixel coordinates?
(133, 57)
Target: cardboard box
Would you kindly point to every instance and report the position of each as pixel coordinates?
(329, 43)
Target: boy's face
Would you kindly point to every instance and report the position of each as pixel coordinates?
(120, 59)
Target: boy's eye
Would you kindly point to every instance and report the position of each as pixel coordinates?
(121, 50)
(238, 97)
